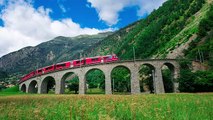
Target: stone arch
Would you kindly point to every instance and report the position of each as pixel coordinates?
(147, 73)
(149, 65)
(114, 81)
(168, 76)
(47, 84)
(121, 66)
(102, 79)
(33, 87)
(170, 66)
(23, 88)
(67, 75)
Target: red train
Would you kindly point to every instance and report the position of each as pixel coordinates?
(70, 64)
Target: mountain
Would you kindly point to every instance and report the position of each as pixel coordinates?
(166, 33)
(57, 50)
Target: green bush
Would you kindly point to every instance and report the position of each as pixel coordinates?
(200, 81)
(12, 89)
(121, 79)
(167, 80)
(74, 85)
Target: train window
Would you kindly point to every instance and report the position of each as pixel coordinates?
(77, 62)
(39, 70)
(61, 65)
(49, 68)
(95, 59)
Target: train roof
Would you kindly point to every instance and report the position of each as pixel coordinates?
(93, 57)
(62, 62)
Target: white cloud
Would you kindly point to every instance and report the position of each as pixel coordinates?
(108, 10)
(12, 40)
(61, 6)
(27, 26)
(147, 6)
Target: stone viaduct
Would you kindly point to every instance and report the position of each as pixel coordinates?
(133, 66)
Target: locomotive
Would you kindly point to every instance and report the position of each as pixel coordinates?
(70, 64)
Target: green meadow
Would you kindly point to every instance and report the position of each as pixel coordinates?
(183, 106)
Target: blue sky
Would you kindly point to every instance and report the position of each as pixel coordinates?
(81, 12)
(31, 22)
(75, 9)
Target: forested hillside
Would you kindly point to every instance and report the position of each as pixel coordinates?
(179, 29)
(164, 30)
(201, 49)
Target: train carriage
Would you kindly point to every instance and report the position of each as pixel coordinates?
(94, 60)
(71, 64)
(39, 71)
(49, 68)
(64, 65)
(77, 63)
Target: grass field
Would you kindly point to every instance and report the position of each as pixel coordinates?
(11, 91)
(107, 107)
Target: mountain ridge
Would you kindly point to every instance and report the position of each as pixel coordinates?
(46, 53)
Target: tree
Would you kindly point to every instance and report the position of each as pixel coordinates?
(74, 85)
(50, 85)
(199, 81)
(147, 78)
(203, 27)
(167, 80)
(186, 81)
(95, 79)
(3, 75)
(203, 81)
(121, 79)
